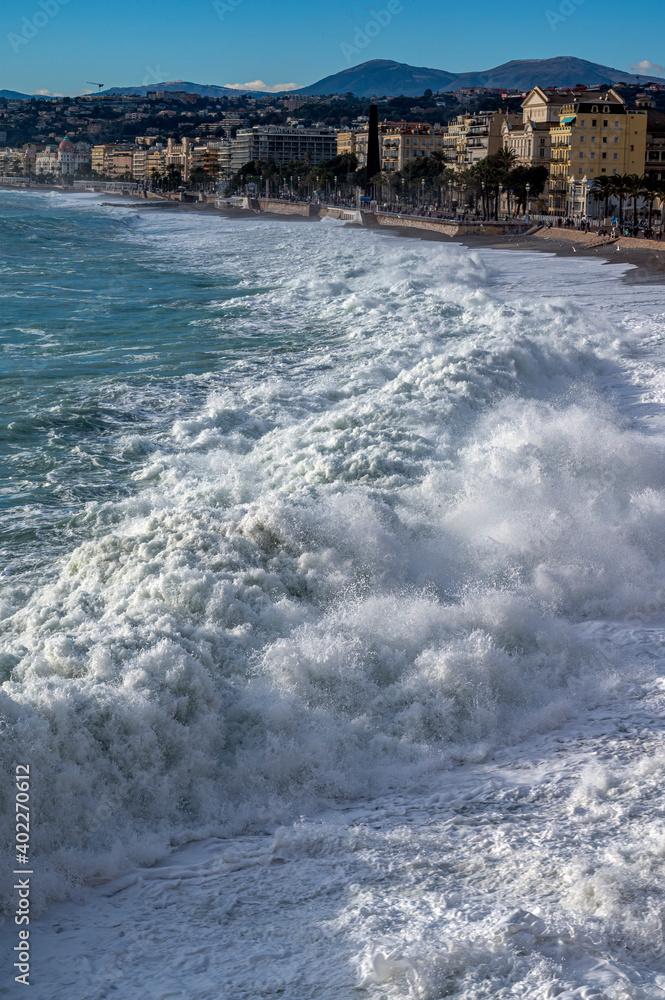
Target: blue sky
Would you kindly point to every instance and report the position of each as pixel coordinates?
(57, 46)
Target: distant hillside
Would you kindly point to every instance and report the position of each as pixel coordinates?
(202, 89)
(13, 95)
(563, 71)
(383, 77)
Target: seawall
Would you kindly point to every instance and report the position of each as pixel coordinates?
(445, 227)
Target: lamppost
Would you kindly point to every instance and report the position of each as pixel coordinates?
(528, 201)
(335, 180)
(422, 192)
(498, 203)
(450, 195)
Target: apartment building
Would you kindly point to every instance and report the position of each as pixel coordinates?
(597, 134)
(102, 158)
(283, 145)
(346, 142)
(140, 164)
(206, 157)
(123, 164)
(178, 154)
(655, 145)
(155, 162)
(12, 161)
(530, 142)
(471, 138)
(399, 143)
(402, 143)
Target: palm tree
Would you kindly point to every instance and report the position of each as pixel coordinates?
(635, 188)
(650, 191)
(506, 158)
(601, 189)
(620, 189)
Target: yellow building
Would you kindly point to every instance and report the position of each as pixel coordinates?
(399, 143)
(402, 143)
(102, 159)
(346, 143)
(597, 134)
(155, 162)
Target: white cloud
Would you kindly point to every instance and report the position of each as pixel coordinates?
(260, 85)
(47, 93)
(646, 68)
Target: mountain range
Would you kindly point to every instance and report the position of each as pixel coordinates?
(13, 95)
(383, 77)
(387, 78)
(202, 89)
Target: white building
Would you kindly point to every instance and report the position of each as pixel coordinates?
(63, 161)
(283, 145)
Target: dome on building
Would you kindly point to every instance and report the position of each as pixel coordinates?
(66, 146)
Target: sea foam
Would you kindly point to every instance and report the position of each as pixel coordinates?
(361, 557)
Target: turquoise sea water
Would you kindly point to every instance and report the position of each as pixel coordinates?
(111, 324)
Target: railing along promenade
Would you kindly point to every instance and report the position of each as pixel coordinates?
(127, 187)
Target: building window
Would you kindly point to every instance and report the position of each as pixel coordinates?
(604, 138)
(632, 149)
(581, 155)
(593, 138)
(593, 156)
(616, 156)
(583, 123)
(616, 138)
(581, 138)
(604, 156)
(581, 171)
(616, 124)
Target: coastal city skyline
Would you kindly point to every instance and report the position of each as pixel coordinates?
(566, 150)
(53, 47)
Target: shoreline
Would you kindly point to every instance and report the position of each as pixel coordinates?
(647, 263)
